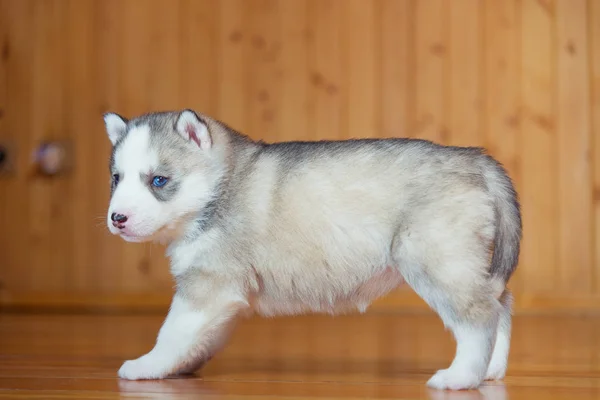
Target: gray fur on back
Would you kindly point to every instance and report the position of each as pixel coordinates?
(434, 168)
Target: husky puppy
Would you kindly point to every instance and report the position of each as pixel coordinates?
(329, 226)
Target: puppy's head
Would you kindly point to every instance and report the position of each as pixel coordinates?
(164, 171)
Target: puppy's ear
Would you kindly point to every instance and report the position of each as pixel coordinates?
(116, 126)
(192, 128)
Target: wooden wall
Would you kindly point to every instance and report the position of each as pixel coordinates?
(521, 77)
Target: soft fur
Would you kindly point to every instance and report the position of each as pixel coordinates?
(296, 227)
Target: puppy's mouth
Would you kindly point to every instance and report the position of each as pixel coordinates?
(129, 236)
(163, 235)
(135, 239)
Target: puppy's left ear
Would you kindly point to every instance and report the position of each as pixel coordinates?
(192, 128)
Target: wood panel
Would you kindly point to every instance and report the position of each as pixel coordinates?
(361, 42)
(593, 24)
(518, 76)
(538, 147)
(295, 113)
(430, 50)
(326, 71)
(17, 65)
(396, 67)
(464, 108)
(231, 43)
(574, 189)
(84, 217)
(501, 88)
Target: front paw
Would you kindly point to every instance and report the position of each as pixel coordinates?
(142, 368)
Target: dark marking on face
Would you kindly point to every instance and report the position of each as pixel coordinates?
(114, 181)
(168, 190)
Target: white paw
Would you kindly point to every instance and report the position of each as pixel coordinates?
(142, 368)
(454, 379)
(495, 372)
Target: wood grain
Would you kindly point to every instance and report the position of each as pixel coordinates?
(263, 77)
(520, 77)
(102, 273)
(17, 127)
(81, 69)
(295, 109)
(233, 40)
(199, 51)
(396, 67)
(593, 24)
(431, 54)
(463, 85)
(326, 70)
(574, 144)
(501, 81)
(5, 51)
(361, 61)
(539, 148)
(370, 356)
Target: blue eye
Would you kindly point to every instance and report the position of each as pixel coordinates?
(115, 178)
(159, 181)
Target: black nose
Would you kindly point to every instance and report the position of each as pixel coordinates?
(120, 218)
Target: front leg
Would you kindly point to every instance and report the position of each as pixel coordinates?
(189, 337)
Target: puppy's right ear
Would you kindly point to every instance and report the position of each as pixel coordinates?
(116, 126)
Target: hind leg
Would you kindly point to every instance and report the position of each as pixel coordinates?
(464, 300)
(498, 364)
(475, 334)
(474, 341)
(444, 256)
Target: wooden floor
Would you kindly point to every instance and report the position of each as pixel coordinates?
(369, 356)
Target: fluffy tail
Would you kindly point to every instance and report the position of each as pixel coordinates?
(507, 242)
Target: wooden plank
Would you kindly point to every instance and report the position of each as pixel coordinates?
(199, 55)
(593, 24)
(86, 301)
(233, 38)
(574, 163)
(150, 300)
(464, 104)
(46, 223)
(76, 357)
(263, 76)
(79, 43)
(502, 89)
(4, 138)
(164, 79)
(105, 261)
(296, 116)
(431, 52)
(539, 260)
(61, 198)
(362, 57)
(326, 73)
(396, 67)
(4, 55)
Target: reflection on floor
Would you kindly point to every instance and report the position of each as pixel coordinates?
(359, 356)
